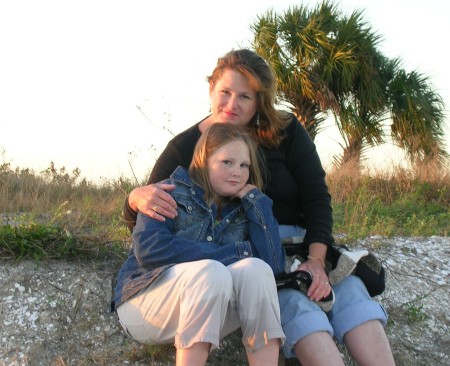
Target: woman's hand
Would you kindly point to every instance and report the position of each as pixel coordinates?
(320, 286)
(154, 201)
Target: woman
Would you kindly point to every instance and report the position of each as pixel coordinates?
(242, 90)
(195, 278)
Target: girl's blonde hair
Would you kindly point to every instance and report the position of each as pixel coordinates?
(267, 123)
(213, 138)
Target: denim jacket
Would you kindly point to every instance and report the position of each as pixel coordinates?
(247, 229)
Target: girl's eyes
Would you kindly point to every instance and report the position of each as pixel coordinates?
(229, 162)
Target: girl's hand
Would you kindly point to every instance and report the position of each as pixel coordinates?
(320, 286)
(244, 190)
(154, 201)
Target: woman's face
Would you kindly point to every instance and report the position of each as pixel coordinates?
(233, 99)
(228, 168)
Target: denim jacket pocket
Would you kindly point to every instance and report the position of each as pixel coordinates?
(236, 229)
(189, 214)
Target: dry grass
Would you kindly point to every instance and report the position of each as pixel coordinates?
(410, 202)
(23, 190)
(63, 209)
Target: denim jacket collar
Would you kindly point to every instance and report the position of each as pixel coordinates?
(181, 176)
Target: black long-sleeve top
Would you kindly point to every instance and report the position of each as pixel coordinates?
(295, 180)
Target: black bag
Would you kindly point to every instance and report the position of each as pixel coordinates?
(368, 268)
(298, 280)
(301, 280)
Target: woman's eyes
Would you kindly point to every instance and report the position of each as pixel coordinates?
(243, 96)
(245, 165)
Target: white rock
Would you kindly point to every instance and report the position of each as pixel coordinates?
(19, 287)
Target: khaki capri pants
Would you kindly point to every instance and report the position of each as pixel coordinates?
(204, 301)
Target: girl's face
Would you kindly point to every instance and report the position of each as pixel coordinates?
(233, 99)
(228, 168)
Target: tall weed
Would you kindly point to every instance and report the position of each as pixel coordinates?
(57, 214)
(403, 202)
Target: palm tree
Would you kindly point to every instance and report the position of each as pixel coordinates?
(327, 63)
(298, 48)
(417, 118)
(363, 101)
(413, 109)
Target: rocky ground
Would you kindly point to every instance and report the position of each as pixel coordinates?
(57, 313)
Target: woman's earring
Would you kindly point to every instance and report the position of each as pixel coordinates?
(257, 120)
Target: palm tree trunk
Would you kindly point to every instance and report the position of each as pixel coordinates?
(352, 153)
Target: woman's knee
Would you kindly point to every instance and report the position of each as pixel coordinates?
(351, 290)
(300, 317)
(353, 306)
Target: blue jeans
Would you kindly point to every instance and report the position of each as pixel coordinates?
(300, 316)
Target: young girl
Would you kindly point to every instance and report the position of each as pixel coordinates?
(194, 279)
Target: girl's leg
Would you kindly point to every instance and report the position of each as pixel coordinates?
(266, 356)
(186, 305)
(195, 355)
(255, 305)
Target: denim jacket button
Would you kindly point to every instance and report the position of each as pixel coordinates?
(227, 221)
(209, 238)
(251, 195)
(245, 253)
(189, 208)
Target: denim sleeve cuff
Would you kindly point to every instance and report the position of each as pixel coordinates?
(244, 249)
(129, 215)
(254, 197)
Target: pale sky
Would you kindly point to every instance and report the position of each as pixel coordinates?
(73, 72)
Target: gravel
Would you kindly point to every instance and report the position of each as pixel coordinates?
(57, 312)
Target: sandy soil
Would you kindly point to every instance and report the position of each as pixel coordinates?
(57, 313)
